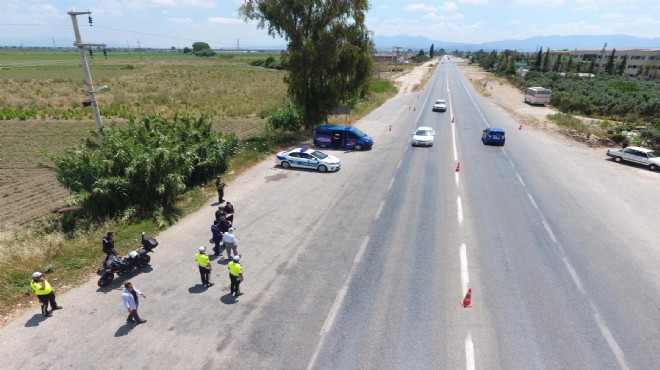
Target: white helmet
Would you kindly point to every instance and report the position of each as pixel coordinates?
(202, 249)
(37, 275)
(237, 258)
(133, 254)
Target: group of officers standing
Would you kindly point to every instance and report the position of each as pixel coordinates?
(223, 236)
(222, 233)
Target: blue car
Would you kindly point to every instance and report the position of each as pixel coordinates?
(345, 137)
(494, 136)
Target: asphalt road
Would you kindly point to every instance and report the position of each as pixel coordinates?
(365, 268)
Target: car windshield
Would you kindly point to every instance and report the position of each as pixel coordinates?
(652, 154)
(319, 155)
(440, 102)
(359, 133)
(423, 132)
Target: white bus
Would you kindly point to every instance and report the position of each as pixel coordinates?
(537, 95)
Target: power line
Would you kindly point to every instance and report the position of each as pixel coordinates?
(227, 44)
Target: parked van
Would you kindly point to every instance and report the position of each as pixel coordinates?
(346, 137)
(537, 95)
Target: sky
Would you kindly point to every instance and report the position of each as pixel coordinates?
(179, 23)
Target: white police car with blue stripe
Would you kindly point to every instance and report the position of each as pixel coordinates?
(308, 158)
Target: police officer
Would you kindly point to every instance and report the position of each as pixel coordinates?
(109, 245)
(204, 267)
(235, 275)
(44, 292)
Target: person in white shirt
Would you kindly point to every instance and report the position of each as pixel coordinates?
(230, 243)
(131, 302)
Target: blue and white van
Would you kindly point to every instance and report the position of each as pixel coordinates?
(346, 137)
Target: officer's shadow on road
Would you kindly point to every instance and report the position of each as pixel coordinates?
(35, 320)
(228, 299)
(124, 329)
(197, 288)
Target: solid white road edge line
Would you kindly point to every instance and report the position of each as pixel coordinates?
(339, 300)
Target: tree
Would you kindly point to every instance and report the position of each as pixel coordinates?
(539, 60)
(199, 46)
(431, 52)
(622, 65)
(609, 66)
(546, 60)
(328, 55)
(569, 65)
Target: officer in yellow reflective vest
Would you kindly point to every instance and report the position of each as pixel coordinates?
(235, 275)
(44, 292)
(204, 267)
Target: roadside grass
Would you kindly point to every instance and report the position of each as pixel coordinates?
(570, 123)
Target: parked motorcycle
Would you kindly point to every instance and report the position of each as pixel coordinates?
(122, 265)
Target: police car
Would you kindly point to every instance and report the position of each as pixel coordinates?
(307, 158)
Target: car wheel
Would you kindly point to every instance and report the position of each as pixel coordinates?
(617, 159)
(358, 147)
(322, 168)
(653, 167)
(286, 165)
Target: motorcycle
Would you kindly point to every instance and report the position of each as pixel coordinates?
(122, 265)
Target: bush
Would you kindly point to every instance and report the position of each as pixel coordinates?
(287, 118)
(144, 166)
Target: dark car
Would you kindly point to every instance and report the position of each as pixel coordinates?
(493, 136)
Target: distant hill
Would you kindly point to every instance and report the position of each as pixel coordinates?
(384, 43)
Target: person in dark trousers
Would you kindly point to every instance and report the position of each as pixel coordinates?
(223, 223)
(217, 238)
(220, 187)
(44, 292)
(229, 212)
(204, 267)
(235, 276)
(109, 245)
(131, 302)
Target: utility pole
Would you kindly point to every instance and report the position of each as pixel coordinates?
(88, 76)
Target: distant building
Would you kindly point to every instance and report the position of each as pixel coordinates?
(645, 62)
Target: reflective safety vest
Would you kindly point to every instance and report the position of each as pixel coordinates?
(36, 286)
(202, 259)
(235, 268)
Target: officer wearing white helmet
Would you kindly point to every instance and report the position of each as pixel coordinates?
(235, 275)
(44, 292)
(204, 267)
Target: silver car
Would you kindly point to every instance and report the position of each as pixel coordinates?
(635, 154)
(440, 105)
(423, 136)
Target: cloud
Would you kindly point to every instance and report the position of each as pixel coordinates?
(221, 20)
(444, 17)
(420, 7)
(182, 20)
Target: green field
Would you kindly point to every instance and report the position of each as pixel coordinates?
(40, 107)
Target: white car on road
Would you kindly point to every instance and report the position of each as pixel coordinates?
(440, 105)
(308, 158)
(423, 136)
(635, 154)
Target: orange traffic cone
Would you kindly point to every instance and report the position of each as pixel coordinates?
(520, 127)
(467, 301)
(458, 167)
